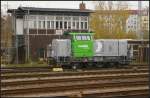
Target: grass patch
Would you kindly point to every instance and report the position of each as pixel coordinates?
(33, 64)
(141, 63)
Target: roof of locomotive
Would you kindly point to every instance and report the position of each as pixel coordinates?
(81, 33)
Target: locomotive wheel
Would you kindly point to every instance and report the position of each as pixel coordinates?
(111, 64)
(89, 65)
(75, 66)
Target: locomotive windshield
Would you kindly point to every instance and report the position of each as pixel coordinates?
(83, 37)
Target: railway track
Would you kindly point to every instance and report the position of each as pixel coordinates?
(53, 91)
(50, 74)
(69, 78)
(116, 82)
(48, 69)
(140, 66)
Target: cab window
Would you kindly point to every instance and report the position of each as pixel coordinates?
(88, 37)
(78, 37)
(83, 37)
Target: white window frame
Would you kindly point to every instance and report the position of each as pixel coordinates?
(29, 21)
(61, 20)
(42, 20)
(48, 27)
(82, 20)
(66, 20)
(75, 21)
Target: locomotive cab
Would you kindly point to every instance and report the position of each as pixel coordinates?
(82, 45)
(81, 49)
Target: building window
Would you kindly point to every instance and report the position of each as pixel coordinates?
(69, 25)
(30, 21)
(43, 24)
(85, 25)
(52, 24)
(75, 18)
(83, 18)
(41, 17)
(57, 25)
(77, 25)
(67, 22)
(35, 24)
(60, 24)
(75, 22)
(30, 24)
(39, 25)
(73, 25)
(81, 25)
(48, 24)
(65, 25)
(59, 17)
(25, 24)
(50, 17)
(84, 21)
(67, 18)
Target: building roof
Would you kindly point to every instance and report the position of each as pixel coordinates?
(55, 9)
(49, 10)
(136, 41)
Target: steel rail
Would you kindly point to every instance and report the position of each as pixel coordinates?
(46, 68)
(53, 90)
(143, 93)
(50, 74)
(65, 79)
(68, 83)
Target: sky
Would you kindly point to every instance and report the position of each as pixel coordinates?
(58, 4)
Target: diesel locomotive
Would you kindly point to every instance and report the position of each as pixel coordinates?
(82, 50)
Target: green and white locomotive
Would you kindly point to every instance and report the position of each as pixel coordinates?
(83, 51)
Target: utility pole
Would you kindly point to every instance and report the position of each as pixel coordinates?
(28, 48)
(16, 38)
(27, 36)
(140, 34)
(109, 19)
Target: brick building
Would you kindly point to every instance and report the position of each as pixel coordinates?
(36, 27)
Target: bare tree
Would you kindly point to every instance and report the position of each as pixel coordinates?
(109, 19)
(6, 34)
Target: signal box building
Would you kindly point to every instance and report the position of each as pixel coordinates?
(34, 28)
